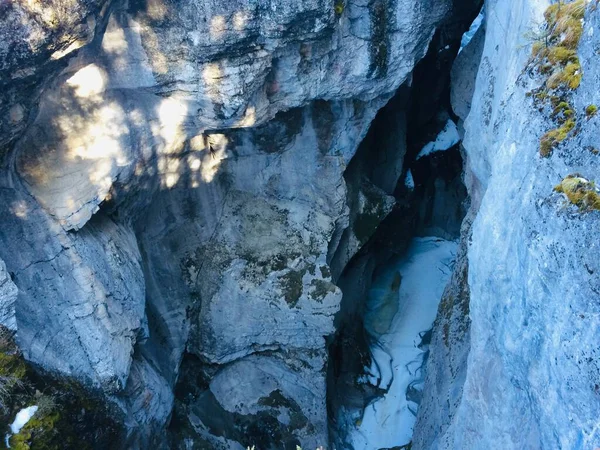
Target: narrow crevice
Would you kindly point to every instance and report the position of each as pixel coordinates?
(429, 200)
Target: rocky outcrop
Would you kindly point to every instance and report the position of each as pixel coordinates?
(464, 74)
(8, 296)
(446, 367)
(531, 373)
(173, 181)
(36, 40)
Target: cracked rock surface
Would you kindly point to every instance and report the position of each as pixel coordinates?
(522, 371)
(172, 182)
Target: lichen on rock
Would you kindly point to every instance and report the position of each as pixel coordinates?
(580, 192)
(554, 57)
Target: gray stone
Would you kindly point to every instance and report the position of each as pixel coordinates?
(532, 365)
(177, 183)
(464, 74)
(8, 296)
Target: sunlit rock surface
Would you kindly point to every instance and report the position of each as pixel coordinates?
(36, 38)
(530, 379)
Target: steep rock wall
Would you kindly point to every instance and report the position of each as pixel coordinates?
(175, 183)
(531, 373)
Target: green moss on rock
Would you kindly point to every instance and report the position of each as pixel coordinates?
(338, 7)
(591, 111)
(554, 137)
(69, 415)
(569, 77)
(554, 52)
(38, 433)
(580, 192)
(12, 366)
(554, 56)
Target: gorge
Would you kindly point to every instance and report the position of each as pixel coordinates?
(279, 224)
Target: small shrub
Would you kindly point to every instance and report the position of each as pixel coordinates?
(537, 48)
(568, 77)
(562, 55)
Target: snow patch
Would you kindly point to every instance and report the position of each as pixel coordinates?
(402, 305)
(466, 38)
(447, 138)
(21, 420)
(409, 181)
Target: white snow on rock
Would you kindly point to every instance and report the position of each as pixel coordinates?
(445, 140)
(402, 305)
(409, 181)
(21, 420)
(466, 38)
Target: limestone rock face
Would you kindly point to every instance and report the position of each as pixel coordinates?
(464, 74)
(173, 187)
(80, 305)
(8, 296)
(532, 367)
(36, 38)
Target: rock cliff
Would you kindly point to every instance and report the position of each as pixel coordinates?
(522, 371)
(197, 197)
(176, 211)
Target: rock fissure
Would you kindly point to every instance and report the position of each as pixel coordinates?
(359, 380)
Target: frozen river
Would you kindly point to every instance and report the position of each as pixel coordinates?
(401, 308)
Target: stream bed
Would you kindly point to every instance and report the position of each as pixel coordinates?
(401, 308)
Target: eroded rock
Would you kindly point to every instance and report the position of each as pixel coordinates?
(179, 185)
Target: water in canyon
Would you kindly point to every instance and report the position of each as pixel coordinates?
(401, 307)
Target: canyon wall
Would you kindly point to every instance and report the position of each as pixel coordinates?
(514, 359)
(188, 187)
(175, 209)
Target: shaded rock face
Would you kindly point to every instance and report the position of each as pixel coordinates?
(8, 293)
(175, 188)
(251, 249)
(524, 366)
(434, 205)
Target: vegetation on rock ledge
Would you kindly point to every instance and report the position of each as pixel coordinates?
(68, 416)
(338, 7)
(580, 192)
(591, 111)
(554, 56)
